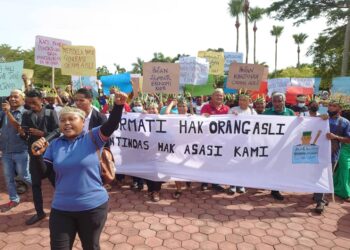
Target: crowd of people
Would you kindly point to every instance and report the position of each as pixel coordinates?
(45, 134)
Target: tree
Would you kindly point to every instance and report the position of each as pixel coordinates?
(137, 66)
(276, 32)
(159, 57)
(299, 39)
(335, 11)
(303, 71)
(255, 14)
(102, 71)
(246, 13)
(118, 69)
(235, 8)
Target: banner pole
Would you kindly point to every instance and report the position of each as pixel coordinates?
(53, 78)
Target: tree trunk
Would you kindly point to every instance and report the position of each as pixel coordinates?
(346, 53)
(276, 41)
(237, 32)
(298, 64)
(246, 37)
(255, 42)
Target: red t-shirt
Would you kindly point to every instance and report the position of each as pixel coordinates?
(127, 107)
(209, 109)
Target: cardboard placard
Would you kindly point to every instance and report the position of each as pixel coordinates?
(245, 76)
(216, 61)
(78, 60)
(161, 78)
(10, 77)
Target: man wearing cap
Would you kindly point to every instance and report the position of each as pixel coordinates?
(278, 108)
(300, 108)
(14, 150)
(339, 128)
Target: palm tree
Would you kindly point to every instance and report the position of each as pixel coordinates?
(137, 66)
(246, 13)
(299, 39)
(159, 57)
(276, 32)
(255, 14)
(235, 8)
(118, 69)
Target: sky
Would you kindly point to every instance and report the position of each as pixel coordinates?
(121, 31)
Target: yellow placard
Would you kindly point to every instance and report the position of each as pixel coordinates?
(78, 60)
(29, 73)
(216, 61)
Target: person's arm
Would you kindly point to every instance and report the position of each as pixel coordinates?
(331, 136)
(169, 107)
(114, 118)
(12, 120)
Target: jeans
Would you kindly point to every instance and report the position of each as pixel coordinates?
(39, 171)
(15, 163)
(88, 224)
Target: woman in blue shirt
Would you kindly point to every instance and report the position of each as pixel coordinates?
(80, 202)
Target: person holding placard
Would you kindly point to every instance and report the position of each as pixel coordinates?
(80, 202)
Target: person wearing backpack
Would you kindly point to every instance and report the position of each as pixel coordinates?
(80, 203)
(36, 123)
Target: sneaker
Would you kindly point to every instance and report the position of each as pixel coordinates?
(8, 206)
(177, 194)
(35, 218)
(204, 187)
(134, 185)
(277, 195)
(218, 188)
(241, 190)
(155, 197)
(320, 207)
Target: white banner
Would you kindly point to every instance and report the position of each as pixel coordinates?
(268, 152)
(48, 51)
(278, 85)
(193, 70)
(303, 82)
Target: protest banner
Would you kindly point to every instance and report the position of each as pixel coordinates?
(341, 85)
(121, 81)
(216, 61)
(161, 78)
(245, 76)
(244, 151)
(10, 77)
(303, 82)
(29, 73)
(88, 82)
(78, 60)
(231, 57)
(278, 85)
(48, 51)
(193, 70)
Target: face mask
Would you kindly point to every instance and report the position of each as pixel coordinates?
(331, 114)
(313, 109)
(301, 105)
(137, 109)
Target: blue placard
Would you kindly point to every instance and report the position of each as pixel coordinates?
(341, 85)
(122, 81)
(305, 154)
(227, 90)
(10, 77)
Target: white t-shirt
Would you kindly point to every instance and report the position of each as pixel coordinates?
(87, 122)
(238, 110)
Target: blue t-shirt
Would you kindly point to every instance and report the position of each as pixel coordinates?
(78, 178)
(173, 110)
(341, 127)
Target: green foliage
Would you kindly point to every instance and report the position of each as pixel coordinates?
(300, 38)
(102, 71)
(255, 14)
(137, 66)
(303, 71)
(276, 31)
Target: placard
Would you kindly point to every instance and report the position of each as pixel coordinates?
(48, 51)
(161, 78)
(10, 77)
(278, 85)
(245, 76)
(193, 70)
(231, 57)
(78, 60)
(216, 61)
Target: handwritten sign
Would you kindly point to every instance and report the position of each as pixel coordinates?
(88, 82)
(10, 77)
(305, 154)
(245, 76)
(216, 61)
(121, 81)
(278, 85)
(341, 85)
(48, 51)
(78, 60)
(161, 78)
(193, 70)
(231, 57)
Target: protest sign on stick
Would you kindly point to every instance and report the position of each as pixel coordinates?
(10, 77)
(161, 78)
(216, 61)
(78, 60)
(245, 76)
(278, 85)
(231, 57)
(193, 70)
